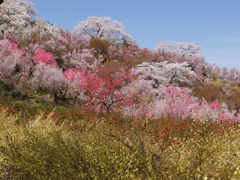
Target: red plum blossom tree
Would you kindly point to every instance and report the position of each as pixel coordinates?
(108, 90)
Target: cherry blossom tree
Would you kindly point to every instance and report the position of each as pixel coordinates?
(81, 59)
(15, 16)
(38, 32)
(176, 102)
(18, 24)
(15, 68)
(165, 46)
(51, 80)
(48, 76)
(26, 63)
(77, 82)
(130, 50)
(102, 27)
(181, 48)
(66, 42)
(30, 7)
(9, 56)
(166, 101)
(71, 50)
(165, 73)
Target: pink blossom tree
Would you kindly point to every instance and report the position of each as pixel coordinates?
(77, 82)
(41, 56)
(66, 42)
(9, 55)
(71, 51)
(172, 101)
(166, 101)
(51, 80)
(82, 59)
(26, 62)
(129, 50)
(16, 68)
(48, 76)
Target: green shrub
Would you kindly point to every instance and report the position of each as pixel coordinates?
(116, 148)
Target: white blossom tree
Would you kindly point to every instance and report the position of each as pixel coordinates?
(28, 5)
(165, 46)
(83, 59)
(102, 27)
(15, 15)
(17, 23)
(40, 31)
(165, 73)
(181, 48)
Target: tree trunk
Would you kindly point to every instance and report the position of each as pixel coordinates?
(56, 99)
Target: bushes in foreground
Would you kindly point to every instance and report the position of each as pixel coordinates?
(117, 148)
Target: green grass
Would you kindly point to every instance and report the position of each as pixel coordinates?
(47, 142)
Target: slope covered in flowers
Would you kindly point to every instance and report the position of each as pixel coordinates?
(92, 104)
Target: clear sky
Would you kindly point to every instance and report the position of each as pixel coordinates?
(212, 24)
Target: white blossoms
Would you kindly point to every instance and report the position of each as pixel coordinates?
(181, 48)
(166, 73)
(102, 27)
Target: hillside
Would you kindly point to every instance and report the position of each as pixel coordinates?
(92, 104)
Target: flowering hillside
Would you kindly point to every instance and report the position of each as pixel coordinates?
(169, 97)
(102, 70)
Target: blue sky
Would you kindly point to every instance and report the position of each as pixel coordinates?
(212, 24)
